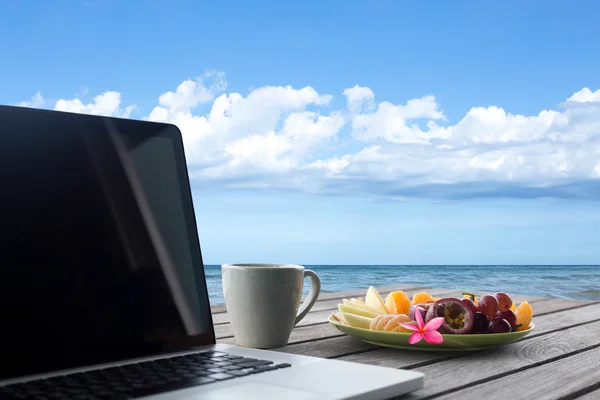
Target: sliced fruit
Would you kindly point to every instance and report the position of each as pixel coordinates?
(379, 320)
(338, 317)
(361, 305)
(374, 300)
(356, 321)
(389, 323)
(397, 303)
(393, 324)
(356, 311)
(524, 315)
(421, 297)
(352, 302)
(458, 319)
(402, 329)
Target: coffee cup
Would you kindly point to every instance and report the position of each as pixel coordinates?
(263, 301)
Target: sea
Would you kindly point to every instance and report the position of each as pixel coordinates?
(581, 282)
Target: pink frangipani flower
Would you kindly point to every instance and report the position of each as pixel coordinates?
(425, 331)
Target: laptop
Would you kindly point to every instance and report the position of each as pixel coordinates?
(102, 286)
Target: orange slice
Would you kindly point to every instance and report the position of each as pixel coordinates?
(524, 316)
(422, 297)
(397, 303)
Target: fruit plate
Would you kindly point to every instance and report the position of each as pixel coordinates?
(399, 340)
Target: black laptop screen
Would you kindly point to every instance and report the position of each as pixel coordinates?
(99, 253)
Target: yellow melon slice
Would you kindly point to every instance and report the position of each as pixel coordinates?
(373, 299)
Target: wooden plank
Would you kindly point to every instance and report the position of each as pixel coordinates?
(463, 372)
(218, 308)
(413, 288)
(363, 292)
(312, 318)
(554, 305)
(397, 358)
(299, 334)
(331, 304)
(594, 394)
(563, 378)
(328, 348)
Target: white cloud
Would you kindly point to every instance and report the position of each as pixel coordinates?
(107, 104)
(596, 173)
(585, 95)
(486, 146)
(37, 101)
(279, 151)
(332, 166)
(189, 94)
(280, 136)
(359, 98)
(397, 123)
(240, 135)
(494, 125)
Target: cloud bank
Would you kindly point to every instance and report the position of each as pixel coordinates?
(281, 137)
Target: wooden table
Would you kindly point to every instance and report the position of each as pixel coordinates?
(559, 360)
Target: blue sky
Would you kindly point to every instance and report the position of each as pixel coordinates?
(389, 132)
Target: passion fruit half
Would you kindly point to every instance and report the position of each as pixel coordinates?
(458, 317)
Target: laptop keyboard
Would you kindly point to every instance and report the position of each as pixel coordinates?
(141, 379)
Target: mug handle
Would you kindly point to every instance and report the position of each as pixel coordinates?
(311, 299)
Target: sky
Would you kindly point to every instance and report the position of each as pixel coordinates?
(345, 132)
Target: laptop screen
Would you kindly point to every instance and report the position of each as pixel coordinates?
(99, 252)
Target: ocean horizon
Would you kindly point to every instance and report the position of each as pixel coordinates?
(577, 282)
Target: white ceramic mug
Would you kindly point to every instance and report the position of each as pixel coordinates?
(262, 301)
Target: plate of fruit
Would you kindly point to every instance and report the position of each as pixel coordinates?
(470, 322)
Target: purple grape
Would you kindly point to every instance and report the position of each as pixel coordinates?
(488, 305)
(498, 325)
(509, 316)
(469, 304)
(480, 323)
(504, 301)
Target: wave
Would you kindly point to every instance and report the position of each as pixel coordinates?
(588, 294)
(591, 292)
